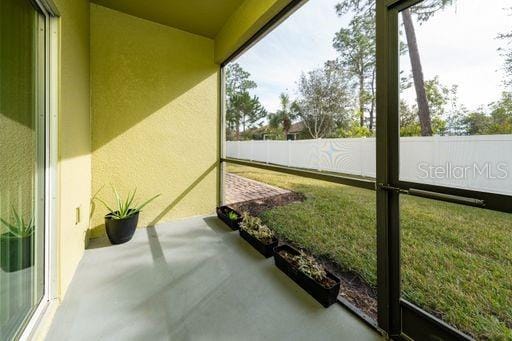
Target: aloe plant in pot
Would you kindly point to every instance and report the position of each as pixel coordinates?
(121, 221)
(16, 244)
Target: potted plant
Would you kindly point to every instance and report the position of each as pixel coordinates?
(307, 272)
(229, 216)
(121, 222)
(258, 235)
(16, 244)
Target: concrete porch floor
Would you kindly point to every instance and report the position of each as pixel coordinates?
(192, 279)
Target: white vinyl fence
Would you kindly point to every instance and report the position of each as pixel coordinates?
(482, 163)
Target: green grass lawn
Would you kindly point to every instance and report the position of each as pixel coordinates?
(456, 260)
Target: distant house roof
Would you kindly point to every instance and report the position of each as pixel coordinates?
(297, 128)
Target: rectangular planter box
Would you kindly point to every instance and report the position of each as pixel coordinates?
(266, 250)
(325, 296)
(222, 213)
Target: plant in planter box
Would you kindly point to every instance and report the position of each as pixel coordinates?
(229, 216)
(121, 221)
(233, 216)
(307, 272)
(16, 244)
(308, 265)
(258, 235)
(250, 223)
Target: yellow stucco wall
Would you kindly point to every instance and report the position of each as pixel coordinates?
(243, 24)
(154, 116)
(74, 165)
(154, 111)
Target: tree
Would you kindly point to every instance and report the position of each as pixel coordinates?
(410, 125)
(442, 101)
(356, 46)
(355, 130)
(508, 68)
(507, 54)
(423, 11)
(501, 115)
(417, 72)
(324, 100)
(476, 123)
(284, 117)
(498, 121)
(237, 80)
(246, 110)
(242, 110)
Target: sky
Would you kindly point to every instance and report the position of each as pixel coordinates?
(301, 43)
(458, 44)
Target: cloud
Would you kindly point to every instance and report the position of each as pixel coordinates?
(301, 43)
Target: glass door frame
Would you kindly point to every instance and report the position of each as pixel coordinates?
(49, 108)
(398, 317)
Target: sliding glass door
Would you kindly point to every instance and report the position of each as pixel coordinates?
(22, 164)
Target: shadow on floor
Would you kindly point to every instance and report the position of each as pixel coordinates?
(216, 225)
(98, 243)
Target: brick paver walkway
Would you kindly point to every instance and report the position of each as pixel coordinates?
(240, 189)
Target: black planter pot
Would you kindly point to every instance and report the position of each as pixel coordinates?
(15, 253)
(325, 296)
(120, 231)
(222, 213)
(266, 250)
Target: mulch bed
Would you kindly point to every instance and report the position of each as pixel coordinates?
(353, 288)
(258, 206)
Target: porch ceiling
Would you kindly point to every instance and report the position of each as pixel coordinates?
(203, 17)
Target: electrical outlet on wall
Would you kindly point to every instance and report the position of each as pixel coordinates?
(77, 215)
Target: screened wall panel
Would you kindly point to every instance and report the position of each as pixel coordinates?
(456, 95)
(455, 133)
(298, 98)
(304, 95)
(334, 223)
